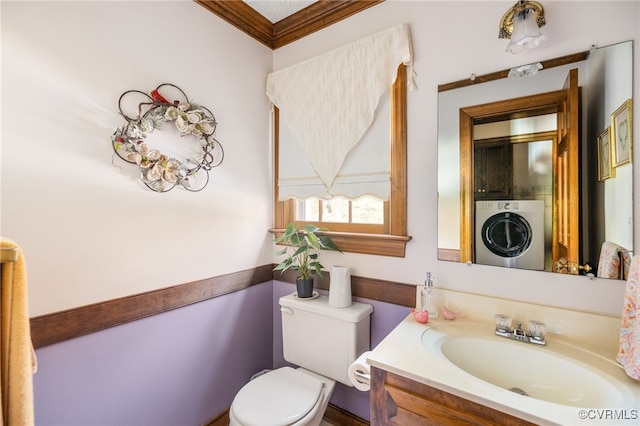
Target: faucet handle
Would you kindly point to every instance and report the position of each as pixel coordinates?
(503, 322)
(536, 329)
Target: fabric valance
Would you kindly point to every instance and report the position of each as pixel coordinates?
(328, 102)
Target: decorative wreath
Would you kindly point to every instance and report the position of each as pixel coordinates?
(158, 171)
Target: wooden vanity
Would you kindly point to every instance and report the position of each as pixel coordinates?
(413, 383)
(396, 400)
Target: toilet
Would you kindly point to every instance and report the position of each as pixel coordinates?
(323, 341)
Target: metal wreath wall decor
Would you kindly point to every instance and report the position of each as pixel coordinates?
(160, 171)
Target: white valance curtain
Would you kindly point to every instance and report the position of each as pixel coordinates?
(327, 104)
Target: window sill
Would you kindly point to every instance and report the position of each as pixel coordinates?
(376, 244)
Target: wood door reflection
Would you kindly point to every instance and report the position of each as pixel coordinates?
(566, 200)
(529, 106)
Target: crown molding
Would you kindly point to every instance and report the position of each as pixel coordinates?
(315, 17)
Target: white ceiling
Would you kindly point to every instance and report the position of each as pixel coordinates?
(276, 10)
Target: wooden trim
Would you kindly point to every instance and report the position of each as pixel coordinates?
(312, 18)
(60, 326)
(334, 414)
(367, 288)
(376, 244)
(399, 138)
(551, 135)
(315, 17)
(525, 106)
(467, 239)
(243, 17)
(221, 419)
(337, 416)
(551, 63)
(283, 210)
(357, 228)
(75, 322)
(452, 255)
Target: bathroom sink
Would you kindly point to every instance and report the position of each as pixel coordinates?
(529, 370)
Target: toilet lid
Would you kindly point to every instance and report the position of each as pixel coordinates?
(278, 398)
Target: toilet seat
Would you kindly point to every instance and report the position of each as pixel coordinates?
(279, 398)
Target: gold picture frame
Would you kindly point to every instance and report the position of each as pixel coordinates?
(605, 171)
(621, 134)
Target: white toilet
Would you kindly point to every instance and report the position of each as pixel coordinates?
(323, 341)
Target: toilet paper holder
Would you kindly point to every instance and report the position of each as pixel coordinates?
(359, 373)
(363, 376)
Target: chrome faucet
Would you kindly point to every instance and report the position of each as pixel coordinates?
(535, 335)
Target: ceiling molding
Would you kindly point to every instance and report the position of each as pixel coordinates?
(317, 16)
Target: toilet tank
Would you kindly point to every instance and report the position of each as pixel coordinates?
(324, 339)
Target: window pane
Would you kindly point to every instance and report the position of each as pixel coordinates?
(364, 210)
(335, 210)
(308, 210)
(367, 210)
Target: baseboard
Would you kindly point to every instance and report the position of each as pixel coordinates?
(221, 419)
(338, 416)
(334, 415)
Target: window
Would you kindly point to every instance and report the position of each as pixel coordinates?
(365, 214)
(363, 225)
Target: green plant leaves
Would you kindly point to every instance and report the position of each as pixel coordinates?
(305, 245)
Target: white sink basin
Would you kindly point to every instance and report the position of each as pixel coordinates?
(530, 370)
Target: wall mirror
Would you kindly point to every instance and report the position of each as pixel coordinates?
(525, 171)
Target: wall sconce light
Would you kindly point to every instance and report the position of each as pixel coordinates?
(528, 70)
(521, 24)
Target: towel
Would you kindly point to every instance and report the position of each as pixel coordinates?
(17, 357)
(329, 101)
(629, 351)
(614, 261)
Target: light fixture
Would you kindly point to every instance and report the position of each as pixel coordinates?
(525, 70)
(521, 24)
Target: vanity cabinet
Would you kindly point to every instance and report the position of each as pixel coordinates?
(396, 400)
(493, 170)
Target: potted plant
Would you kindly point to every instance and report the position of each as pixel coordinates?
(302, 255)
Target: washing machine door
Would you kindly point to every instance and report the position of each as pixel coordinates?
(507, 234)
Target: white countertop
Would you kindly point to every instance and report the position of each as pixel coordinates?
(403, 353)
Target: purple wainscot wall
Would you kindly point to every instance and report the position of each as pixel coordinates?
(181, 367)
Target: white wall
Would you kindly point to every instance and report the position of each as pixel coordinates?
(89, 230)
(451, 40)
(618, 206)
